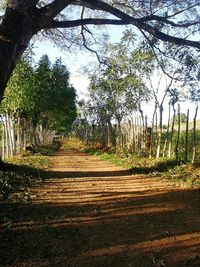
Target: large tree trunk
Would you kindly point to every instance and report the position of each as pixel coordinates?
(16, 31)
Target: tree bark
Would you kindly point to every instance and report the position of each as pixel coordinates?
(172, 133)
(3, 138)
(111, 134)
(19, 135)
(194, 136)
(142, 132)
(16, 31)
(178, 135)
(11, 135)
(7, 149)
(167, 134)
(159, 131)
(186, 136)
(152, 132)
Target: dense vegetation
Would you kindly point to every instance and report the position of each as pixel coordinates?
(118, 114)
(39, 102)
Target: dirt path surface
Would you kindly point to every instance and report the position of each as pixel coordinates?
(90, 213)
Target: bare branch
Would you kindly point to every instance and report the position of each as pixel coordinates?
(87, 47)
(166, 21)
(182, 10)
(156, 57)
(166, 37)
(86, 21)
(53, 9)
(140, 25)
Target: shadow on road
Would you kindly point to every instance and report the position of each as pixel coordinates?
(100, 217)
(157, 228)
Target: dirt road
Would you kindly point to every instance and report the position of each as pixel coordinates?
(90, 213)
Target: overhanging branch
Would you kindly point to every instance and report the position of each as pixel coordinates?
(51, 10)
(169, 22)
(81, 22)
(140, 25)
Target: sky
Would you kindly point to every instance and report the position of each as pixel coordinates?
(75, 61)
(72, 61)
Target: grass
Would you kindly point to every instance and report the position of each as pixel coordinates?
(74, 144)
(34, 161)
(186, 175)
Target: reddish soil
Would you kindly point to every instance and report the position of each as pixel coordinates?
(90, 213)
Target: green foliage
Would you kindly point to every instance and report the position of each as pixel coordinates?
(117, 90)
(183, 118)
(63, 107)
(18, 97)
(3, 4)
(184, 174)
(42, 94)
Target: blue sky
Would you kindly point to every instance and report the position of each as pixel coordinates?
(79, 58)
(75, 60)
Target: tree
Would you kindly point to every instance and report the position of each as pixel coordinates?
(38, 101)
(62, 104)
(115, 93)
(14, 108)
(171, 22)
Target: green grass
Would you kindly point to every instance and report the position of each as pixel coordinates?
(186, 175)
(34, 161)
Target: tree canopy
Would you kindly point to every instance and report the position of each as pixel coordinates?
(42, 94)
(170, 21)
